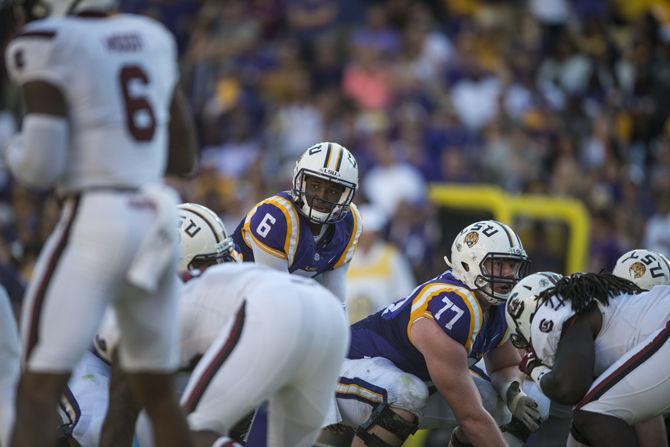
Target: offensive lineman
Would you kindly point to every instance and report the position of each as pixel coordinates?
(230, 312)
(435, 334)
(102, 108)
(590, 325)
(313, 229)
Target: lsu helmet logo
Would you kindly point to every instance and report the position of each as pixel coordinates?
(637, 270)
(471, 238)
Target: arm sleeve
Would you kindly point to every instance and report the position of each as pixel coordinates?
(38, 155)
(261, 256)
(336, 282)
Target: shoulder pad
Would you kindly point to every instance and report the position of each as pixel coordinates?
(274, 226)
(37, 53)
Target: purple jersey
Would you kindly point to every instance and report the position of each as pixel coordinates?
(445, 300)
(277, 227)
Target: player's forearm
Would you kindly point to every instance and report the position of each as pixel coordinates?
(464, 400)
(502, 378)
(560, 391)
(481, 430)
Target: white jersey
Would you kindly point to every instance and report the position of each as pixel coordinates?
(626, 321)
(118, 75)
(208, 302)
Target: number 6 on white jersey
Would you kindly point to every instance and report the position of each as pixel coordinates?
(264, 227)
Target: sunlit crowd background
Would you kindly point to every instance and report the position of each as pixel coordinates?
(560, 97)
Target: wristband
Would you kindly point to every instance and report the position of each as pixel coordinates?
(537, 373)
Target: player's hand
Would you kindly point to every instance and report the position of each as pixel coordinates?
(523, 407)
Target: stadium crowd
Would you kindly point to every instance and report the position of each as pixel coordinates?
(559, 97)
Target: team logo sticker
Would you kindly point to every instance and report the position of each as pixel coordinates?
(546, 325)
(637, 270)
(515, 306)
(471, 238)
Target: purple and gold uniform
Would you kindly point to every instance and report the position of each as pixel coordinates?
(276, 226)
(443, 299)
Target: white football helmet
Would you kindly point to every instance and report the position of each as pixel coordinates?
(203, 238)
(523, 303)
(646, 268)
(334, 163)
(61, 8)
(488, 240)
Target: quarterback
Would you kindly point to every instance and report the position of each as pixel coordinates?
(313, 229)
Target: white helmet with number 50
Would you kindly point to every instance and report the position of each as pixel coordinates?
(203, 238)
(333, 163)
(488, 257)
(523, 303)
(646, 268)
(60, 8)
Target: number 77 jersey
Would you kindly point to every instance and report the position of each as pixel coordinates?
(445, 300)
(117, 75)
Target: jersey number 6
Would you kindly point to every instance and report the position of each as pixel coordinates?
(140, 118)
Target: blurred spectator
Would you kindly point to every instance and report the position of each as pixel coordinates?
(657, 231)
(605, 248)
(379, 274)
(391, 182)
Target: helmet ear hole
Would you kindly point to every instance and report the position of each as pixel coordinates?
(465, 266)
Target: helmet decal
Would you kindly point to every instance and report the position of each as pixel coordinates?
(471, 238)
(637, 270)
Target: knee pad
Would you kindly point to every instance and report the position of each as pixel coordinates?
(382, 416)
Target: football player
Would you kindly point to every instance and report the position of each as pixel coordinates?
(646, 268)
(313, 229)
(434, 335)
(103, 121)
(595, 325)
(253, 334)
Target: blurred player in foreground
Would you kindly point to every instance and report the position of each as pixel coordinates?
(253, 334)
(103, 120)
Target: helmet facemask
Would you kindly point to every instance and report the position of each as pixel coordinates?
(498, 277)
(225, 253)
(318, 209)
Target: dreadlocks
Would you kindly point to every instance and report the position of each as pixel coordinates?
(582, 288)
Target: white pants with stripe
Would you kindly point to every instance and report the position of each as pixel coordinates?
(637, 386)
(84, 267)
(365, 383)
(285, 346)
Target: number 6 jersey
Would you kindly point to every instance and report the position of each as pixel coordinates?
(445, 300)
(117, 75)
(277, 227)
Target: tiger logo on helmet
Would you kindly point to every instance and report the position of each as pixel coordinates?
(471, 238)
